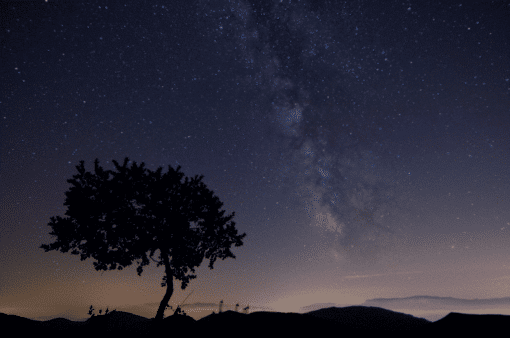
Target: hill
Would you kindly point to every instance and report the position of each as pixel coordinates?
(370, 318)
(352, 320)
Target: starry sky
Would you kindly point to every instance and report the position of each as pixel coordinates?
(363, 145)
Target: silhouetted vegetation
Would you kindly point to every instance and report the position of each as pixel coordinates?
(138, 211)
(91, 311)
(359, 321)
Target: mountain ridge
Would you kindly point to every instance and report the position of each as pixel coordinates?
(347, 320)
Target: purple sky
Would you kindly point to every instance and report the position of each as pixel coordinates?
(364, 146)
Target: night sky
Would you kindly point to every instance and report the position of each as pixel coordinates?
(364, 146)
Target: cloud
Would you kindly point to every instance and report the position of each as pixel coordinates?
(383, 274)
(431, 303)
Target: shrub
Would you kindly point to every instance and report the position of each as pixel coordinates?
(91, 311)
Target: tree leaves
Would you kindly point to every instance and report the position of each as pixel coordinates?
(116, 217)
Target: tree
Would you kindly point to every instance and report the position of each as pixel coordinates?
(140, 211)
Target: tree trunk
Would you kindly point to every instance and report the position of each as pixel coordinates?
(169, 286)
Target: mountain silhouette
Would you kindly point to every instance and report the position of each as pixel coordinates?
(470, 325)
(372, 318)
(353, 320)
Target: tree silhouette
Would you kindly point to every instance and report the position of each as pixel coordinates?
(140, 211)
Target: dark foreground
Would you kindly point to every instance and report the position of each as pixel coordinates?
(359, 321)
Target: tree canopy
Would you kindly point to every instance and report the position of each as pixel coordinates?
(138, 211)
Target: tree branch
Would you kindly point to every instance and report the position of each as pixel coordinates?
(154, 260)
